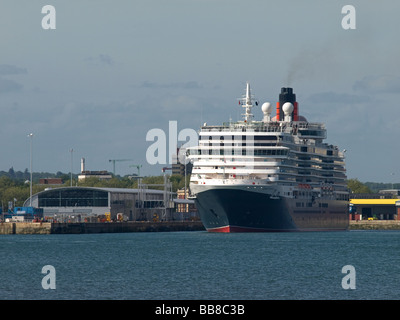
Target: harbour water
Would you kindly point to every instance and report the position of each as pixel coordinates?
(201, 265)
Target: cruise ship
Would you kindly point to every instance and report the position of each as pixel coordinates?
(274, 174)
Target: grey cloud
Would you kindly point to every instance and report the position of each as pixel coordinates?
(101, 59)
(308, 63)
(9, 86)
(181, 85)
(378, 84)
(106, 59)
(333, 97)
(7, 69)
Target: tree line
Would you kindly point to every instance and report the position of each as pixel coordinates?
(355, 186)
(14, 185)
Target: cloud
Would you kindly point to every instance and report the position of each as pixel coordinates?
(174, 85)
(101, 59)
(378, 84)
(69, 114)
(7, 69)
(180, 103)
(105, 59)
(9, 86)
(333, 97)
(308, 64)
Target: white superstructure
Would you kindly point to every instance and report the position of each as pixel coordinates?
(284, 158)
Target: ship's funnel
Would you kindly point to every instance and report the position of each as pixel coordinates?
(287, 95)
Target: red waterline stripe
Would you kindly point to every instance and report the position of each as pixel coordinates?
(230, 229)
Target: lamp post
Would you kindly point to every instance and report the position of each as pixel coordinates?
(185, 178)
(31, 137)
(392, 174)
(72, 151)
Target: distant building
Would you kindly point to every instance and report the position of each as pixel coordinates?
(104, 175)
(393, 192)
(186, 205)
(51, 181)
(79, 204)
(185, 208)
(179, 168)
(371, 196)
(378, 206)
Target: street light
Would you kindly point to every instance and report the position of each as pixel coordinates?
(72, 151)
(392, 174)
(31, 137)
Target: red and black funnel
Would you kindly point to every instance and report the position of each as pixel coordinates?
(287, 95)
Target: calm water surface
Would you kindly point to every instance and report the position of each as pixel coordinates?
(201, 265)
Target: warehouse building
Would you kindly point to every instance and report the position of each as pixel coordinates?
(379, 206)
(79, 204)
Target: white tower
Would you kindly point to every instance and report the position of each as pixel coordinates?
(82, 165)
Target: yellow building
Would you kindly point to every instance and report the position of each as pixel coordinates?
(377, 209)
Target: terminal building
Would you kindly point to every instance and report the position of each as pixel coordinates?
(384, 205)
(79, 204)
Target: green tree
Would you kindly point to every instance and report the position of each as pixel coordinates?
(11, 173)
(17, 194)
(356, 186)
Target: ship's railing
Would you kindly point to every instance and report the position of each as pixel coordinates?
(272, 126)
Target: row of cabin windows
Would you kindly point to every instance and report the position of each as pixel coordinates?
(243, 152)
(309, 204)
(243, 144)
(305, 149)
(249, 137)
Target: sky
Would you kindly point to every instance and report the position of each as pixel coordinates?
(111, 71)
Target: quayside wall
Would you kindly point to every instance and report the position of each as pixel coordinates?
(77, 228)
(61, 228)
(25, 227)
(374, 225)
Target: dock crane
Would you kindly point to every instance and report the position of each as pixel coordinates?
(115, 160)
(138, 166)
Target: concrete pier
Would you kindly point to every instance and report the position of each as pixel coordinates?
(77, 228)
(25, 228)
(374, 225)
(166, 226)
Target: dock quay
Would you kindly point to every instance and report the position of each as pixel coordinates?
(135, 226)
(100, 227)
(374, 225)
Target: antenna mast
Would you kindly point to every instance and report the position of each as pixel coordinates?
(247, 103)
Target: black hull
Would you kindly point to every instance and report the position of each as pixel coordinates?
(233, 210)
